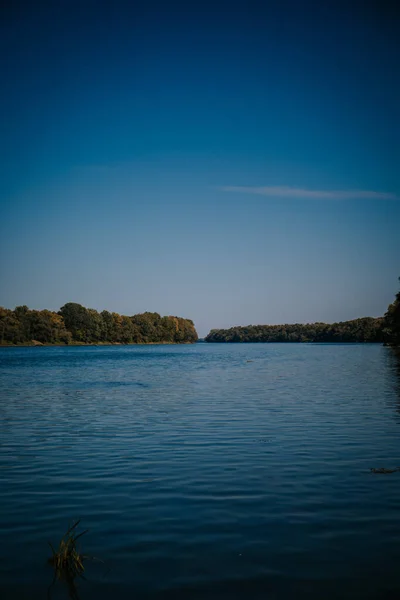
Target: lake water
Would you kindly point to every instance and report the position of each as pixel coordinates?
(200, 474)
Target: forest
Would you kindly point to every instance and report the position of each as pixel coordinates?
(391, 331)
(75, 324)
(367, 329)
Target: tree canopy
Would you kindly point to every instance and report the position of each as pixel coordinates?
(392, 322)
(367, 329)
(76, 324)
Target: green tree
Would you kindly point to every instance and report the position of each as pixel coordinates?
(76, 319)
(392, 322)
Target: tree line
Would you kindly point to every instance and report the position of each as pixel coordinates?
(76, 324)
(391, 331)
(383, 329)
(360, 330)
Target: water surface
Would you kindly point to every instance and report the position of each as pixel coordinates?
(204, 471)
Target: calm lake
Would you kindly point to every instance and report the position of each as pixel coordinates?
(203, 471)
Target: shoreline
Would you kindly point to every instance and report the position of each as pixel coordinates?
(34, 344)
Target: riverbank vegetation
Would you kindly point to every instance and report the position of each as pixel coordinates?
(391, 331)
(360, 330)
(75, 324)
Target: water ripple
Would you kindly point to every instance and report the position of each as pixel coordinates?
(206, 471)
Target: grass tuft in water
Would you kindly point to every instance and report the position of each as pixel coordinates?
(67, 561)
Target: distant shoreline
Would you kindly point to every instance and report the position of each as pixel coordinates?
(363, 330)
(34, 344)
(76, 325)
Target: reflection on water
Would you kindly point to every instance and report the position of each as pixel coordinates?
(396, 360)
(393, 370)
(66, 579)
(206, 471)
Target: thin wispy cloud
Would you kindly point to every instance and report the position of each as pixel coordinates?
(292, 192)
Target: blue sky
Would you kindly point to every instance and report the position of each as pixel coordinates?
(233, 163)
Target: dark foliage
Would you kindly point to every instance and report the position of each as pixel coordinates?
(367, 329)
(391, 330)
(75, 323)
